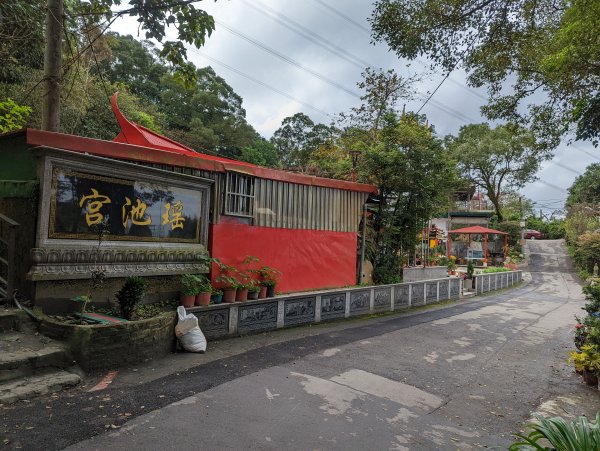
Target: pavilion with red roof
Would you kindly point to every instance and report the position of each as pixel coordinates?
(477, 230)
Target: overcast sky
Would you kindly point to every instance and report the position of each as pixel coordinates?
(259, 45)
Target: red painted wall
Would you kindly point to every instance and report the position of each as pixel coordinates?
(308, 259)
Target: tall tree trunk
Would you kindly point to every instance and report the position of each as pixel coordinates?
(496, 201)
(52, 66)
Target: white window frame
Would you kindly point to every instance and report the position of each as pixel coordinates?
(239, 195)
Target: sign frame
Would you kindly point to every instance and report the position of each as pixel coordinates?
(115, 169)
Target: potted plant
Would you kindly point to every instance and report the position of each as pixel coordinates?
(268, 278)
(452, 265)
(484, 262)
(587, 361)
(270, 285)
(204, 290)
(242, 291)
(216, 296)
(227, 281)
(468, 281)
(229, 286)
(253, 291)
(189, 290)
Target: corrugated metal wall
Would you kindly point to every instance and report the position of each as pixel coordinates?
(295, 206)
(289, 205)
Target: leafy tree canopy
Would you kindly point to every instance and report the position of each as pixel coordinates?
(547, 51)
(21, 38)
(496, 159)
(193, 25)
(586, 187)
(12, 116)
(297, 138)
(134, 63)
(514, 206)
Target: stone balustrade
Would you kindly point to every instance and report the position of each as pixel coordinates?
(224, 320)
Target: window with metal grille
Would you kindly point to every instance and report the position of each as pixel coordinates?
(239, 195)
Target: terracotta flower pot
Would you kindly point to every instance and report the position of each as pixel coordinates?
(242, 295)
(262, 293)
(187, 300)
(229, 295)
(203, 298)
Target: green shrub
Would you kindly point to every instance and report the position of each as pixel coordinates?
(579, 435)
(131, 293)
(586, 251)
(495, 269)
(513, 229)
(555, 229)
(592, 295)
(470, 269)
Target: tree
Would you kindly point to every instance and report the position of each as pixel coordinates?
(496, 160)
(382, 92)
(12, 116)
(207, 115)
(297, 138)
(413, 174)
(514, 206)
(154, 17)
(586, 187)
(546, 50)
(260, 152)
(21, 39)
(135, 64)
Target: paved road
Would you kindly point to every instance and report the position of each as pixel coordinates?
(461, 377)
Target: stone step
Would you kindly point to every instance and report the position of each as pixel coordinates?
(27, 362)
(9, 320)
(37, 385)
(15, 320)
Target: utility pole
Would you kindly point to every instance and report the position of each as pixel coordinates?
(52, 66)
(522, 222)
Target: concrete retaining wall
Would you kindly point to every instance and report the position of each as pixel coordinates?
(419, 273)
(114, 345)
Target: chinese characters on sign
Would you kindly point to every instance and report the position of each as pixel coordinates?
(132, 210)
(95, 202)
(134, 213)
(173, 216)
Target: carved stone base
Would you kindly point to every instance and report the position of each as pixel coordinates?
(60, 264)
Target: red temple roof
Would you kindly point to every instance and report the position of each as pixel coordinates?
(132, 133)
(478, 230)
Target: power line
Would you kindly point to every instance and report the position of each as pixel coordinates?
(420, 61)
(306, 33)
(286, 59)
(302, 31)
(585, 152)
(261, 83)
(344, 16)
(442, 107)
